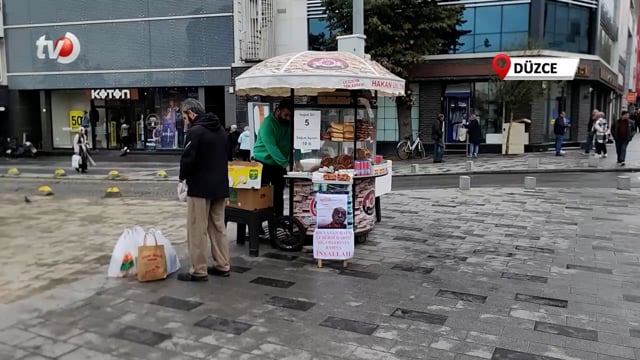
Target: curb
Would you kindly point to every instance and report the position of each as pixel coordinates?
(525, 171)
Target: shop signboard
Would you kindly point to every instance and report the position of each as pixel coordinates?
(75, 120)
(306, 130)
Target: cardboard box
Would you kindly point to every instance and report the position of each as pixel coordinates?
(245, 175)
(251, 199)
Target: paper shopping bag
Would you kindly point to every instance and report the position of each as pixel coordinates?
(152, 263)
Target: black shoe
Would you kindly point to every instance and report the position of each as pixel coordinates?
(77, 170)
(622, 163)
(437, 161)
(212, 270)
(190, 277)
(84, 171)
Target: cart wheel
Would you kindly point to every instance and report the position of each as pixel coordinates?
(361, 239)
(290, 234)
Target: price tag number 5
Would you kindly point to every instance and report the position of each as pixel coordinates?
(306, 122)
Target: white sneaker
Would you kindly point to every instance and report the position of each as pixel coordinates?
(605, 155)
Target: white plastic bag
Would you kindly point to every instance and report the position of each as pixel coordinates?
(182, 191)
(76, 161)
(173, 263)
(125, 253)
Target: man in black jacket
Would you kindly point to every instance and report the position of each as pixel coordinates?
(204, 167)
(559, 129)
(437, 135)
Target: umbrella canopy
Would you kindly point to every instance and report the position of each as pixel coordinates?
(313, 72)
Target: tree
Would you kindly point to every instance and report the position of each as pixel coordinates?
(399, 33)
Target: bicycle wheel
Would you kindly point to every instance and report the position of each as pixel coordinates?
(420, 149)
(290, 234)
(403, 150)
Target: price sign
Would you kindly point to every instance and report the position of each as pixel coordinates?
(306, 130)
(75, 120)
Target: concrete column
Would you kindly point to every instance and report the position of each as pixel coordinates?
(532, 163)
(469, 165)
(530, 183)
(415, 168)
(465, 183)
(624, 183)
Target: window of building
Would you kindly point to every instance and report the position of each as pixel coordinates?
(494, 28)
(568, 27)
(320, 35)
(387, 117)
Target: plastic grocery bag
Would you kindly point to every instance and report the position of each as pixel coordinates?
(125, 253)
(76, 161)
(182, 191)
(173, 263)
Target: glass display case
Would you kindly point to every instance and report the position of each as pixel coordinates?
(345, 139)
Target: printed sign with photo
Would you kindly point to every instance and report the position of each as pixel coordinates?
(332, 211)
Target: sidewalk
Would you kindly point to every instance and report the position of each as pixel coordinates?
(573, 161)
(145, 167)
(498, 273)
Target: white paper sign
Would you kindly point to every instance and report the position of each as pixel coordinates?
(333, 244)
(306, 129)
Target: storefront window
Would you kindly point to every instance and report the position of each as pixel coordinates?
(67, 109)
(485, 106)
(387, 123)
(494, 28)
(557, 99)
(153, 117)
(568, 27)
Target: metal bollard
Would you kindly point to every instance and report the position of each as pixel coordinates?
(465, 183)
(415, 168)
(533, 163)
(469, 166)
(529, 183)
(624, 183)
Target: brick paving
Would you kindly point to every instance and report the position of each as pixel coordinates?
(482, 274)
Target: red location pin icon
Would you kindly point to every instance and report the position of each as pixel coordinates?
(501, 65)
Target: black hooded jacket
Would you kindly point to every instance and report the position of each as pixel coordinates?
(204, 160)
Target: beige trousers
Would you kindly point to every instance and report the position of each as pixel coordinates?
(205, 224)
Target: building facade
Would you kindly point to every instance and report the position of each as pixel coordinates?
(134, 61)
(600, 33)
(603, 34)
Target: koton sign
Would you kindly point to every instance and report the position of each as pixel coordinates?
(65, 50)
(535, 68)
(110, 94)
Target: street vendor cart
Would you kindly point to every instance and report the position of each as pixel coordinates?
(333, 129)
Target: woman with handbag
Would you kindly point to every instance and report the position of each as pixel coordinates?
(80, 154)
(602, 132)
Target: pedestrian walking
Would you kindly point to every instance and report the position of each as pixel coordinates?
(204, 168)
(245, 145)
(80, 148)
(94, 118)
(623, 131)
(437, 135)
(588, 145)
(559, 129)
(601, 134)
(474, 135)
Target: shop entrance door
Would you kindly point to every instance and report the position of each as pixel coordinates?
(119, 112)
(457, 112)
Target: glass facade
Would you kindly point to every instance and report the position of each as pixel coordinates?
(568, 27)
(387, 116)
(152, 115)
(494, 28)
(320, 35)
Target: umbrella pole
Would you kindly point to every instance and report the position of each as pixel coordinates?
(292, 151)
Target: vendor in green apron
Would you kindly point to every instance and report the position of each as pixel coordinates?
(273, 148)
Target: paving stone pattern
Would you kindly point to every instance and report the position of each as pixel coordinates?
(440, 287)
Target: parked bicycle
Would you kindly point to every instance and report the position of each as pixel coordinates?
(408, 148)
